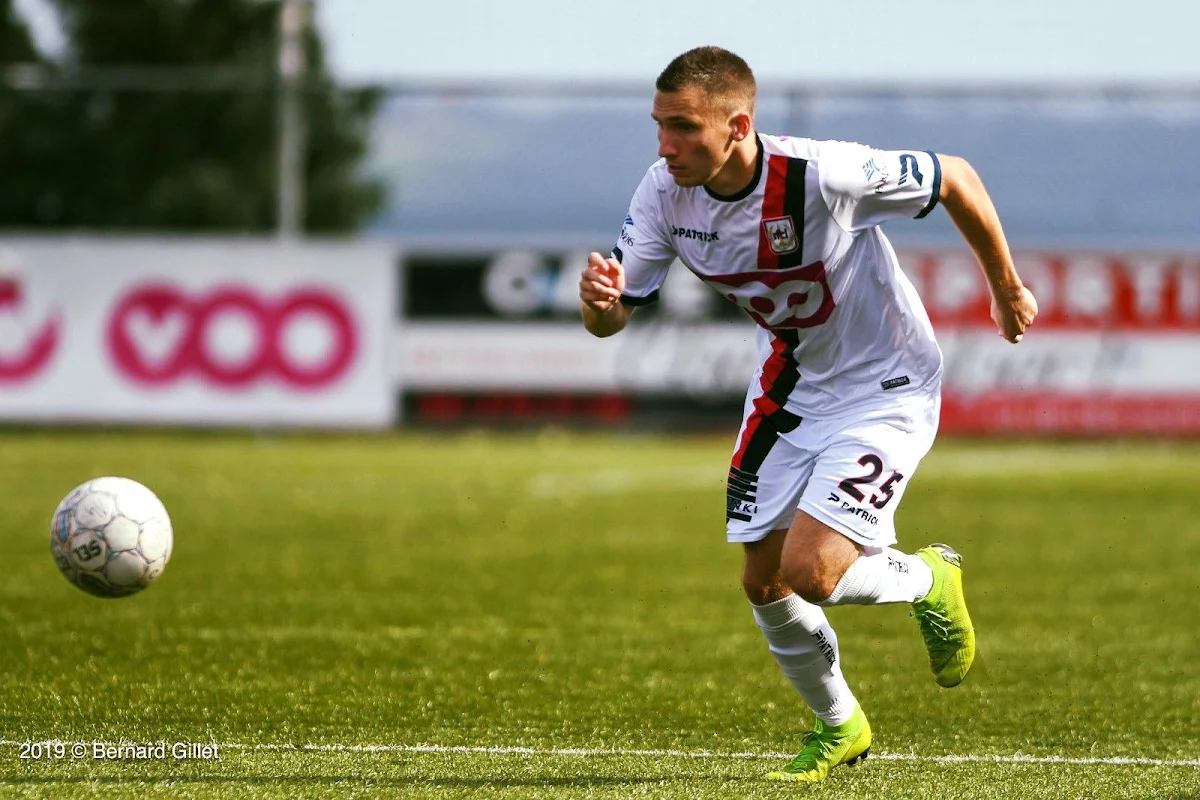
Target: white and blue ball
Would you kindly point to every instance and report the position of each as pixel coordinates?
(111, 537)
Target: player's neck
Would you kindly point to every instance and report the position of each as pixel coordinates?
(739, 170)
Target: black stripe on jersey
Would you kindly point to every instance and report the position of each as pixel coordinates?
(757, 449)
(937, 186)
(630, 300)
(742, 490)
(783, 386)
(742, 475)
(793, 206)
(741, 484)
(763, 439)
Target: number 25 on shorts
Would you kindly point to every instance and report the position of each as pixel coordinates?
(875, 464)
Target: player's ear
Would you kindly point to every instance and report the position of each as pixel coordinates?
(740, 126)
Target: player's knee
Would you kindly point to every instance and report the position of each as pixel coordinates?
(761, 590)
(809, 578)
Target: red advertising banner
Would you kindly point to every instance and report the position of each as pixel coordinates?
(1115, 348)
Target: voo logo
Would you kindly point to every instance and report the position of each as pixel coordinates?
(232, 337)
(28, 336)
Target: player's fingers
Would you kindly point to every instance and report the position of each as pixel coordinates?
(598, 262)
(617, 272)
(593, 275)
(598, 291)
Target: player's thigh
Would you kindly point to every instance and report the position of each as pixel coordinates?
(864, 469)
(767, 474)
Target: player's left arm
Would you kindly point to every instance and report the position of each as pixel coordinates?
(970, 207)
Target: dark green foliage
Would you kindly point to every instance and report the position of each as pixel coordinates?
(16, 46)
(186, 141)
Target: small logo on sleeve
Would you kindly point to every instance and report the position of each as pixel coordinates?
(895, 383)
(626, 237)
(876, 175)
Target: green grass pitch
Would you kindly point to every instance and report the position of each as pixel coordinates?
(557, 615)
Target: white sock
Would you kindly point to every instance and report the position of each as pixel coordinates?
(806, 649)
(882, 576)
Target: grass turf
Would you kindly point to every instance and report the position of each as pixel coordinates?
(556, 592)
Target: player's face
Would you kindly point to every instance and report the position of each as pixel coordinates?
(694, 138)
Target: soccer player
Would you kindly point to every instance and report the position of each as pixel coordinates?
(846, 400)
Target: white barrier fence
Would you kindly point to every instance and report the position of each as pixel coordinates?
(196, 332)
(258, 333)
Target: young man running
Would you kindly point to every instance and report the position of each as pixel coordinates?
(846, 400)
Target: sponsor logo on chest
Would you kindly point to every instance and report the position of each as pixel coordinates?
(692, 233)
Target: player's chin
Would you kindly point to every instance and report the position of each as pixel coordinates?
(685, 179)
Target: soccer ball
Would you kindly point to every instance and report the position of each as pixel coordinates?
(111, 537)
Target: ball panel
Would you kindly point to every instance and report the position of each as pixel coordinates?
(155, 540)
(139, 503)
(122, 534)
(125, 570)
(153, 570)
(95, 509)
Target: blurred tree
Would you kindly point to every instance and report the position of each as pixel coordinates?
(16, 45)
(28, 125)
(194, 145)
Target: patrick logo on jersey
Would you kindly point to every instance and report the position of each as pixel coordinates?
(798, 297)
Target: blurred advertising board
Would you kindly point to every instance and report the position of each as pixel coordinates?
(196, 332)
(1115, 349)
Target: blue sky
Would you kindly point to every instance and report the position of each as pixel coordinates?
(931, 41)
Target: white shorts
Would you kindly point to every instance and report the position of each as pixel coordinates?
(848, 472)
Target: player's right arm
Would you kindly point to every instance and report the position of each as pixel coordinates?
(610, 288)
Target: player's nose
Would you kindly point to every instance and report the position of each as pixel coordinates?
(666, 148)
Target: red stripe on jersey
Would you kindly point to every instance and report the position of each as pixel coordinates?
(772, 207)
(764, 406)
(752, 425)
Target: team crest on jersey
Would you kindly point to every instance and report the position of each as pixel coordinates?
(781, 235)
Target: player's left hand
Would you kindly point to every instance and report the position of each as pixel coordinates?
(1013, 312)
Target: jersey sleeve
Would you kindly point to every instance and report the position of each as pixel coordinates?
(864, 187)
(643, 248)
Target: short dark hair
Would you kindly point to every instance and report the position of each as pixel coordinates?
(721, 75)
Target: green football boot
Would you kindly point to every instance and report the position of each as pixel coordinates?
(827, 746)
(942, 616)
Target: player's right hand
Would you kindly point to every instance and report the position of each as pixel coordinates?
(602, 282)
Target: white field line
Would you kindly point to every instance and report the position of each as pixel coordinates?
(1016, 758)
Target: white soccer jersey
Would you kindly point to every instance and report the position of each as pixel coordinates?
(801, 253)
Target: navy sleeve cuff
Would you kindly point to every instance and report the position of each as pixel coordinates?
(937, 186)
(634, 302)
